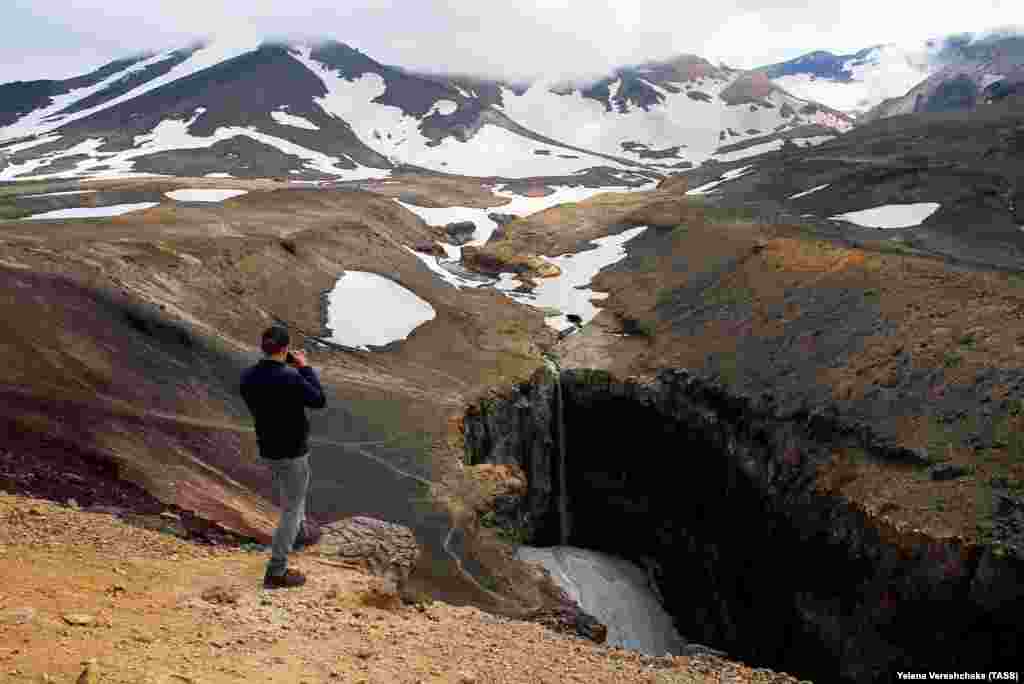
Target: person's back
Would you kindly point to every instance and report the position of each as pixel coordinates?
(277, 396)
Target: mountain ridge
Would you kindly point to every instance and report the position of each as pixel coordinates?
(345, 116)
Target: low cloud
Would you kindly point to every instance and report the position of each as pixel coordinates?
(557, 39)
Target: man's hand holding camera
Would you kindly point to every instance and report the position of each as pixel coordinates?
(296, 358)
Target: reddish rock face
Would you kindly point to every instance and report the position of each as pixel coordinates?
(748, 88)
(431, 248)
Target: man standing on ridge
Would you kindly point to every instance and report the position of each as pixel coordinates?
(277, 397)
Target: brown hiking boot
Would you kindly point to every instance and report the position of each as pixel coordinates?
(290, 578)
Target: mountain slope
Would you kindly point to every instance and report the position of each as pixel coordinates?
(329, 111)
(969, 74)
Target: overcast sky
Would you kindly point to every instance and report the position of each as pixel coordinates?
(517, 38)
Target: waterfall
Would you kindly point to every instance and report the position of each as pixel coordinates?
(563, 488)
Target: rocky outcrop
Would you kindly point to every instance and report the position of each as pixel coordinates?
(493, 259)
(751, 551)
(502, 219)
(384, 549)
(517, 428)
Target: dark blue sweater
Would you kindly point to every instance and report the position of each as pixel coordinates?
(277, 397)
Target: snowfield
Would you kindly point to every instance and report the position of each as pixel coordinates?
(680, 120)
(519, 205)
(493, 151)
(367, 309)
(891, 215)
(203, 195)
(91, 212)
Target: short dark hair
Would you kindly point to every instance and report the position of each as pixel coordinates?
(275, 338)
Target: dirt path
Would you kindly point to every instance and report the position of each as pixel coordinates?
(157, 610)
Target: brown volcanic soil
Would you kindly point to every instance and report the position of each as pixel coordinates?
(124, 337)
(164, 611)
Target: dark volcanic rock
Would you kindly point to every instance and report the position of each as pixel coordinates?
(568, 618)
(460, 232)
(947, 471)
(24, 96)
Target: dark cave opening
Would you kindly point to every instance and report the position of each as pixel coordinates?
(735, 571)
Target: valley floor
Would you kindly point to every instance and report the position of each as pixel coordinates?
(158, 610)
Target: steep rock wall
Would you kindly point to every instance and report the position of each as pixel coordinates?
(719, 497)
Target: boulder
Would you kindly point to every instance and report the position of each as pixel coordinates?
(502, 219)
(946, 471)
(460, 232)
(380, 548)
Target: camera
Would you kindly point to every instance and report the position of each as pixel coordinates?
(289, 358)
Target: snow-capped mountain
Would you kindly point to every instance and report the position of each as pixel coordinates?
(329, 111)
(853, 83)
(952, 73)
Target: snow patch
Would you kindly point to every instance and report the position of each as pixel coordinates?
(808, 192)
(287, 119)
(568, 292)
(56, 194)
(91, 212)
(367, 309)
(437, 266)
(204, 194)
(445, 107)
(753, 150)
(891, 215)
(725, 177)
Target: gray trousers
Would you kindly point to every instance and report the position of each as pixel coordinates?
(291, 483)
